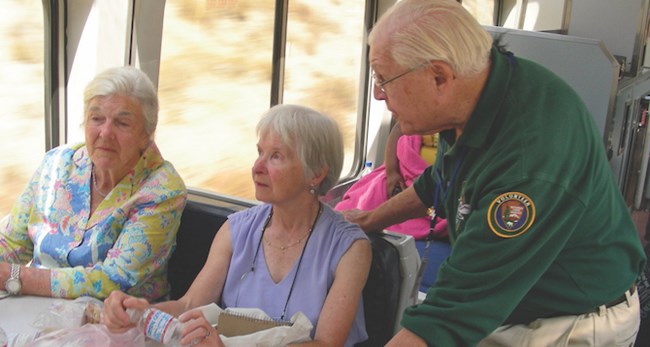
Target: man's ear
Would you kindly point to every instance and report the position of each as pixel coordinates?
(443, 73)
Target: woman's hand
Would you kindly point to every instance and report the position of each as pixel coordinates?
(197, 331)
(114, 314)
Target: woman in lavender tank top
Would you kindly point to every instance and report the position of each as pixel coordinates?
(289, 254)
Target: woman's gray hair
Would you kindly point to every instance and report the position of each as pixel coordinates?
(130, 81)
(419, 31)
(315, 137)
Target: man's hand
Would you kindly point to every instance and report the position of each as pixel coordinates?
(357, 216)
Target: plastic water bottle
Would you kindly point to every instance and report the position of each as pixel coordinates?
(157, 325)
(367, 168)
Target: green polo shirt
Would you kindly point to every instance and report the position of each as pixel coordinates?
(538, 225)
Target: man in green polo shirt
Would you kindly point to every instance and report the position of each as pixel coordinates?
(544, 249)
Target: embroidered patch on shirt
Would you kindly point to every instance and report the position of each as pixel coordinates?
(511, 214)
(463, 208)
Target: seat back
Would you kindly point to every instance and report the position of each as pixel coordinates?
(381, 293)
(199, 223)
(393, 280)
(391, 286)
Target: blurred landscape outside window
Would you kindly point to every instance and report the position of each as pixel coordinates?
(215, 81)
(482, 10)
(21, 93)
(323, 63)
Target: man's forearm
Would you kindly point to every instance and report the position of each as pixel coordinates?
(403, 206)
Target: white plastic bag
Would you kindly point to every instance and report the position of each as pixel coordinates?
(299, 331)
(90, 335)
(64, 314)
(74, 323)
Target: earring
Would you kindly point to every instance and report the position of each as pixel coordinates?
(312, 190)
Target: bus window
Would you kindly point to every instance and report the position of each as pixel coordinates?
(482, 10)
(534, 15)
(215, 80)
(21, 94)
(214, 83)
(323, 62)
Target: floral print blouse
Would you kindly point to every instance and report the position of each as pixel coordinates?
(125, 244)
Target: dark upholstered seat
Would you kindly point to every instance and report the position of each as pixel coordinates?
(199, 224)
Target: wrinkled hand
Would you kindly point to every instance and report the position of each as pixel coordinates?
(5, 272)
(356, 216)
(352, 215)
(114, 314)
(197, 331)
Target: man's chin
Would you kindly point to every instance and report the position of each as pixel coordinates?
(407, 128)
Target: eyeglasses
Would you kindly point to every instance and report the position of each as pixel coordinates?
(380, 84)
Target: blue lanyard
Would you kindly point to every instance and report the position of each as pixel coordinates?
(443, 187)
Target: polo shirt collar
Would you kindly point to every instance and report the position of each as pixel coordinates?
(476, 131)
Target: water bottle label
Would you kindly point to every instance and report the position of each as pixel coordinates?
(157, 324)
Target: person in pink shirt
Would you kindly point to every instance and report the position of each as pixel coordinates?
(406, 157)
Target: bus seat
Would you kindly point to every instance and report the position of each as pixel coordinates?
(393, 281)
(392, 285)
(335, 194)
(199, 223)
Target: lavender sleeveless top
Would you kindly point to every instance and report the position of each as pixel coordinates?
(331, 238)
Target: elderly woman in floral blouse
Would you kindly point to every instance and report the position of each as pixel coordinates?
(99, 216)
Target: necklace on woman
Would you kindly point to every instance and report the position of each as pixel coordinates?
(294, 243)
(293, 282)
(92, 173)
